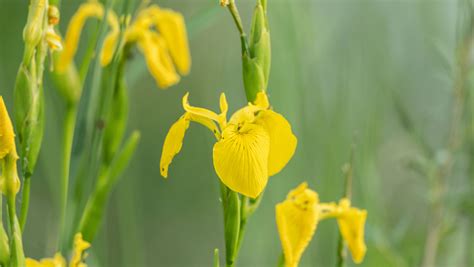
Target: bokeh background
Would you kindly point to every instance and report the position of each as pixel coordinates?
(374, 73)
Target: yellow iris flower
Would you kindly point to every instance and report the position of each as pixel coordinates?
(159, 33)
(77, 259)
(298, 216)
(254, 144)
(8, 153)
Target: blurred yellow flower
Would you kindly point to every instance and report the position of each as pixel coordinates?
(254, 144)
(85, 11)
(9, 181)
(77, 259)
(159, 33)
(351, 225)
(298, 216)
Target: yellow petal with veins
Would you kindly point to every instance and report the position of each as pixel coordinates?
(241, 158)
(282, 140)
(173, 143)
(351, 225)
(297, 219)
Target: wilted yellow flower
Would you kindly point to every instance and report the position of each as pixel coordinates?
(254, 144)
(351, 225)
(298, 216)
(159, 33)
(9, 181)
(77, 259)
(73, 34)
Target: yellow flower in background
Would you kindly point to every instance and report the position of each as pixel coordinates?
(351, 223)
(254, 144)
(9, 181)
(297, 218)
(159, 33)
(91, 9)
(77, 259)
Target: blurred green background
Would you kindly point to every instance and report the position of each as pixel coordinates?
(343, 72)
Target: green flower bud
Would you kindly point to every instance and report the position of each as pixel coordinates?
(33, 31)
(257, 58)
(29, 118)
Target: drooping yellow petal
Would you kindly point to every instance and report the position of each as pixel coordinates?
(202, 112)
(173, 143)
(282, 140)
(171, 25)
(241, 158)
(32, 263)
(78, 253)
(7, 136)
(57, 261)
(85, 11)
(158, 61)
(351, 225)
(297, 219)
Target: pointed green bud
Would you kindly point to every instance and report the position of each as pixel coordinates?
(257, 58)
(29, 118)
(33, 31)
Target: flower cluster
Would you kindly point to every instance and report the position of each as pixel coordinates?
(254, 144)
(159, 33)
(77, 259)
(298, 216)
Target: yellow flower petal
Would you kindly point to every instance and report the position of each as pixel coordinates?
(282, 140)
(171, 25)
(261, 100)
(158, 61)
(32, 263)
(202, 112)
(351, 225)
(297, 219)
(173, 143)
(85, 11)
(7, 136)
(78, 253)
(241, 158)
(224, 108)
(108, 48)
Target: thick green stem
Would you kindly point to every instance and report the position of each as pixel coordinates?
(17, 254)
(25, 201)
(68, 137)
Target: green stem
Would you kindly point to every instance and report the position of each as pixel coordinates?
(25, 201)
(68, 137)
(348, 174)
(17, 256)
(236, 16)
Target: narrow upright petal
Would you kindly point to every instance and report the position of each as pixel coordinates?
(351, 225)
(282, 140)
(202, 112)
(297, 219)
(241, 158)
(173, 143)
(7, 136)
(108, 48)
